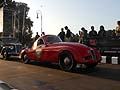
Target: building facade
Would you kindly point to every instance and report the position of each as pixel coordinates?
(1, 19)
(6, 19)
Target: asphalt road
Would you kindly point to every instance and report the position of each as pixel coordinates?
(36, 76)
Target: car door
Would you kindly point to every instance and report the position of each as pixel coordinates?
(39, 52)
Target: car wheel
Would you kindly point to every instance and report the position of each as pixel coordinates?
(25, 59)
(5, 55)
(66, 61)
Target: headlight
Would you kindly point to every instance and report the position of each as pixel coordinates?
(10, 47)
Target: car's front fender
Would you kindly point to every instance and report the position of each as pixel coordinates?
(22, 53)
(2, 50)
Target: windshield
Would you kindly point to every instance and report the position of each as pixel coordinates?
(53, 39)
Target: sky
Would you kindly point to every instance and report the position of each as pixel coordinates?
(72, 13)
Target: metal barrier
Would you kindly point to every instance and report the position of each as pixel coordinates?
(110, 60)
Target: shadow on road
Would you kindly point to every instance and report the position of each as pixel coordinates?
(12, 59)
(100, 71)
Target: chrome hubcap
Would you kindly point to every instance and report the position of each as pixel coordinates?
(66, 61)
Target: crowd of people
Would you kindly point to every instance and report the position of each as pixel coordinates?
(37, 35)
(83, 35)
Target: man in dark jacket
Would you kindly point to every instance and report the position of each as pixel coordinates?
(69, 34)
(92, 33)
(62, 35)
(102, 32)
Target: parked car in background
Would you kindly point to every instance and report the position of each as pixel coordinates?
(1, 45)
(50, 48)
(10, 47)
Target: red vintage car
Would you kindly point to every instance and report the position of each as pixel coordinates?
(50, 48)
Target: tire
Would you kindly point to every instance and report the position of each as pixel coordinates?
(66, 61)
(25, 59)
(5, 55)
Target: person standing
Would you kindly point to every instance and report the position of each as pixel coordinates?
(81, 35)
(102, 32)
(69, 35)
(62, 34)
(85, 35)
(37, 36)
(92, 37)
(92, 33)
(43, 33)
(117, 31)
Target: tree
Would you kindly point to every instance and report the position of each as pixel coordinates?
(28, 32)
(17, 22)
(1, 3)
(24, 24)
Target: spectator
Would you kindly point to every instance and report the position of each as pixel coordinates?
(69, 34)
(85, 32)
(92, 33)
(85, 36)
(62, 34)
(37, 36)
(81, 35)
(113, 33)
(109, 33)
(118, 29)
(102, 32)
(43, 33)
(75, 38)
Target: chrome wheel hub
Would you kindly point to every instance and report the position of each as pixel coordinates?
(66, 61)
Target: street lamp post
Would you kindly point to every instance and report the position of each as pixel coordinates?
(39, 12)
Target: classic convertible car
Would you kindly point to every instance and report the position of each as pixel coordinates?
(50, 48)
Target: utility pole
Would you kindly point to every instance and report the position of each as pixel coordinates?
(40, 12)
(23, 21)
